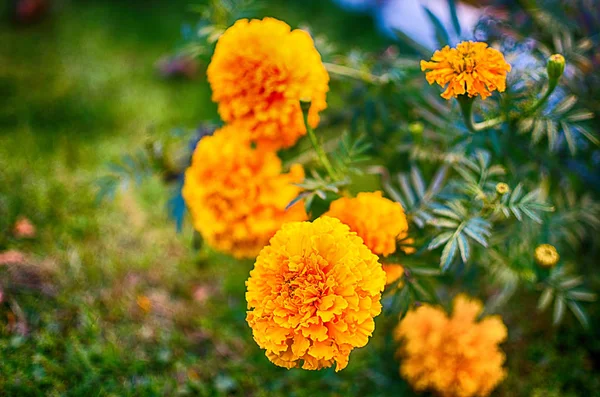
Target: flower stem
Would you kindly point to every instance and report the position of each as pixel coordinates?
(323, 159)
(466, 107)
(551, 86)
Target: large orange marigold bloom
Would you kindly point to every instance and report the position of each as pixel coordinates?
(259, 72)
(454, 356)
(237, 195)
(378, 221)
(313, 293)
(471, 68)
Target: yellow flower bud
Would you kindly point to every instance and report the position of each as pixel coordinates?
(502, 188)
(546, 255)
(555, 67)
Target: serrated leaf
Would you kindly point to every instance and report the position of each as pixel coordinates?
(439, 240)
(579, 313)
(565, 105)
(405, 186)
(525, 125)
(582, 296)
(448, 254)
(475, 234)
(552, 134)
(516, 194)
(571, 282)
(559, 310)
(580, 115)
(447, 213)
(589, 135)
(425, 271)
(444, 223)
(463, 247)
(417, 180)
(569, 138)
(545, 299)
(538, 130)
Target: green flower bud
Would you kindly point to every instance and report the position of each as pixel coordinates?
(555, 67)
(416, 128)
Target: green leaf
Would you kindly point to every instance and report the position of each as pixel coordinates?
(545, 299)
(569, 138)
(579, 313)
(454, 16)
(463, 247)
(582, 296)
(441, 34)
(417, 180)
(439, 240)
(448, 254)
(559, 310)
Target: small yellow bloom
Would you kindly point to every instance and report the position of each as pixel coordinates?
(471, 68)
(313, 294)
(546, 255)
(237, 195)
(502, 188)
(259, 72)
(378, 221)
(452, 356)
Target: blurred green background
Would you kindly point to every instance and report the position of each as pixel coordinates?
(108, 299)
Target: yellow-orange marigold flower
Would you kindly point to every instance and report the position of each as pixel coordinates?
(453, 356)
(378, 221)
(471, 68)
(313, 293)
(259, 72)
(237, 195)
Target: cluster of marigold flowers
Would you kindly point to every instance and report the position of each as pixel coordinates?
(316, 286)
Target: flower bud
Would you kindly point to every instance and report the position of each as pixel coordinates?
(502, 188)
(546, 255)
(416, 128)
(555, 67)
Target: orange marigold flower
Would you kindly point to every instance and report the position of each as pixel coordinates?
(378, 221)
(453, 356)
(259, 72)
(393, 273)
(237, 195)
(471, 68)
(313, 293)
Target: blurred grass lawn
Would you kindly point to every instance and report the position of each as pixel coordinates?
(132, 309)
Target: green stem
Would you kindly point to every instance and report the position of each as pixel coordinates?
(345, 71)
(551, 86)
(466, 107)
(316, 144)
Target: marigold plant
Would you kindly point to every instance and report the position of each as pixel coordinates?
(378, 221)
(258, 73)
(313, 293)
(471, 68)
(452, 356)
(237, 195)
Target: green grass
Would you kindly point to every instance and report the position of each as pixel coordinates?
(79, 91)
